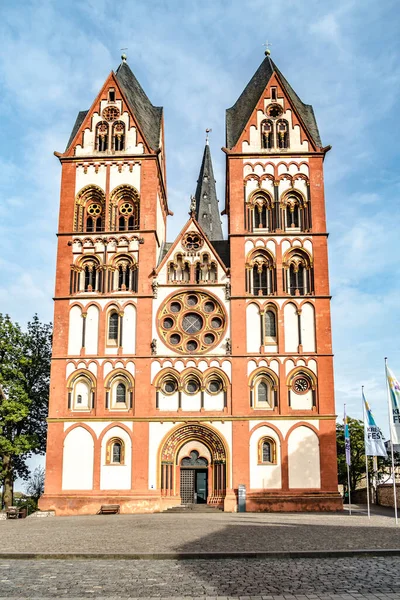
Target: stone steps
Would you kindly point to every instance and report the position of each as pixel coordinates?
(198, 508)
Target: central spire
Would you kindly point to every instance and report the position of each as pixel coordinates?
(207, 211)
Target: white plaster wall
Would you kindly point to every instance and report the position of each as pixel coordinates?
(213, 401)
(191, 401)
(291, 328)
(301, 401)
(78, 453)
(129, 330)
(264, 476)
(75, 330)
(90, 177)
(253, 332)
(157, 432)
(304, 463)
(129, 175)
(168, 402)
(116, 477)
(307, 320)
(92, 330)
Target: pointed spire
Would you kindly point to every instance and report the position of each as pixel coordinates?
(207, 210)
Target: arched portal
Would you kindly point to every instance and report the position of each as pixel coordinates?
(193, 464)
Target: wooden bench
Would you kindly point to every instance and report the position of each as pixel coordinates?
(109, 509)
(12, 512)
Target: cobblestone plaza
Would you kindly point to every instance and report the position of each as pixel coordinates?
(116, 539)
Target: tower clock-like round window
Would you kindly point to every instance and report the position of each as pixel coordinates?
(301, 385)
(191, 323)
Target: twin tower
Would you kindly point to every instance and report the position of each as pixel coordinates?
(183, 370)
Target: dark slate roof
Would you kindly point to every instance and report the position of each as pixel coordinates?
(164, 251)
(222, 248)
(79, 120)
(148, 116)
(238, 115)
(207, 210)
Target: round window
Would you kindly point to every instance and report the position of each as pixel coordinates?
(169, 386)
(209, 307)
(94, 209)
(175, 339)
(192, 386)
(192, 300)
(274, 110)
(216, 323)
(168, 323)
(209, 338)
(214, 386)
(192, 345)
(175, 307)
(192, 323)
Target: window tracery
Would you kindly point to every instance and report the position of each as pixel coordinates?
(124, 209)
(179, 270)
(191, 322)
(297, 212)
(126, 275)
(262, 212)
(102, 135)
(260, 271)
(118, 132)
(206, 270)
(90, 275)
(298, 273)
(89, 210)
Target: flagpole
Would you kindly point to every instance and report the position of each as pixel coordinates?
(347, 465)
(391, 444)
(366, 457)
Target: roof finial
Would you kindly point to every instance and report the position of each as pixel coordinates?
(267, 50)
(123, 55)
(192, 212)
(208, 130)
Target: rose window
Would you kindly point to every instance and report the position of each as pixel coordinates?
(274, 110)
(191, 322)
(94, 209)
(192, 241)
(126, 208)
(111, 113)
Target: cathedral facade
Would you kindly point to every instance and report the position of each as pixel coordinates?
(183, 370)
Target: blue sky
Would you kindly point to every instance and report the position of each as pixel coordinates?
(194, 57)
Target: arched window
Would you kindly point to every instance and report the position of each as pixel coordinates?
(118, 136)
(194, 460)
(80, 394)
(262, 213)
(270, 326)
(115, 452)
(297, 212)
(192, 385)
(299, 276)
(169, 385)
(260, 274)
(113, 328)
(266, 451)
(120, 393)
(267, 135)
(282, 134)
(206, 270)
(179, 270)
(126, 275)
(89, 210)
(125, 209)
(102, 136)
(264, 391)
(90, 276)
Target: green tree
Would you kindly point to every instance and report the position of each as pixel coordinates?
(24, 380)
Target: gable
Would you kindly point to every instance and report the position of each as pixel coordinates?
(243, 113)
(142, 121)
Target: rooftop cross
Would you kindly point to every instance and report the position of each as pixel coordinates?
(208, 130)
(267, 50)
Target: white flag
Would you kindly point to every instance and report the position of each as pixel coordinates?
(374, 444)
(394, 393)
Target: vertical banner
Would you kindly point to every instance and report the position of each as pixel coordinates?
(394, 400)
(347, 438)
(373, 437)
